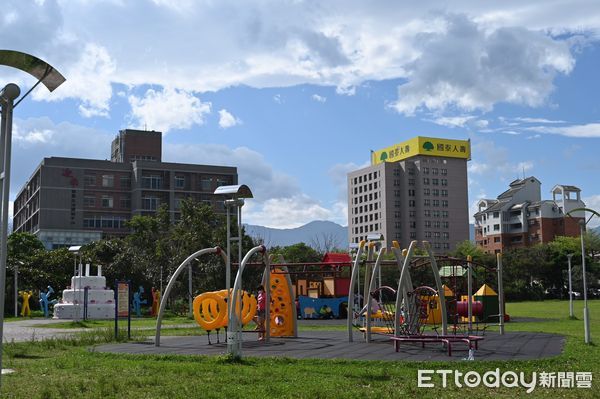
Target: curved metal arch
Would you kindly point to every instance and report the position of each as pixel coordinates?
(593, 212)
(36, 67)
(182, 266)
(353, 278)
(371, 288)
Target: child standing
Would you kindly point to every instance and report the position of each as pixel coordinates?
(261, 304)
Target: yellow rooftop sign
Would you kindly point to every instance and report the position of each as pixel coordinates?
(423, 146)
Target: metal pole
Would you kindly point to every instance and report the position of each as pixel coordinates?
(190, 300)
(228, 262)
(586, 312)
(500, 295)
(239, 218)
(16, 289)
(7, 96)
(470, 292)
(571, 315)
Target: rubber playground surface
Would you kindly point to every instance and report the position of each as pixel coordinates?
(335, 345)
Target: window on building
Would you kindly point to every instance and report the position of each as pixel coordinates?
(125, 201)
(375, 185)
(370, 176)
(428, 234)
(107, 201)
(445, 203)
(434, 171)
(427, 213)
(426, 180)
(179, 182)
(426, 191)
(426, 170)
(435, 182)
(152, 182)
(89, 180)
(108, 180)
(125, 182)
(444, 182)
(411, 171)
(436, 214)
(446, 245)
(397, 204)
(150, 203)
(496, 239)
(397, 225)
(436, 234)
(206, 184)
(496, 215)
(445, 225)
(427, 202)
(436, 192)
(436, 202)
(412, 203)
(89, 201)
(496, 227)
(360, 219)
(412, 225)
(428, 223)
(413, 235)
(411, 182)
(412, 214)
(444, 172)
(444, 214)
(411, 193)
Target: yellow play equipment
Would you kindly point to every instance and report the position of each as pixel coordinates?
(282, 310)
(25, 310)
(210, 309)
(434, 311)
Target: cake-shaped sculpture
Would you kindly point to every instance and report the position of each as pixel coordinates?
(100, 300)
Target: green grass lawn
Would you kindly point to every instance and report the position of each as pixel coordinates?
(67, 369)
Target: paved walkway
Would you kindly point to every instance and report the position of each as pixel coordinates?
(26, 330)
(334, 345)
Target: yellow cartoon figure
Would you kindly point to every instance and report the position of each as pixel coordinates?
(25, 295)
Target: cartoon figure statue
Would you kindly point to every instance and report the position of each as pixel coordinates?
(155, 302)
(138, 301)
(45, 300)
(25, 310)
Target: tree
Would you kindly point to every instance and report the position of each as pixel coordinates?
(298, 253)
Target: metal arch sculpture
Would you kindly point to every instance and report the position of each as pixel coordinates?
(36, 67)
(593, 212)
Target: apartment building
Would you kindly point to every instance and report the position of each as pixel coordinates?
(520, 218)
(414, 190)
(71, 201)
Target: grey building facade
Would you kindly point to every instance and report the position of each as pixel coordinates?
(421, 197)
(70, 201)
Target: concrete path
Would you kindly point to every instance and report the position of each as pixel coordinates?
(334, 345)
(26, 330)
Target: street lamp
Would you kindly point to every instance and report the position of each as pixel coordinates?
(586, 311)
(49, 77)
(235, 200)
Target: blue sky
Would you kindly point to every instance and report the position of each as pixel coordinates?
(296, 93)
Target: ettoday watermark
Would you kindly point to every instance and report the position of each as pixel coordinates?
(509, 379)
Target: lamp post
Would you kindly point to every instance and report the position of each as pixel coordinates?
(49, 77)
(586, 312)
(571, 315)
(582, 223)
(16, 271)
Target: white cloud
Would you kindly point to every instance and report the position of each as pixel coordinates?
(453, 121)
(538, 120)
(34, 136)
(227, 120)
(277, 98)
(498, 53)
(478, 168)
(168, 109)
(319, 98)
(589, 130)
(469, 67)
(285, 213)
(534, 137)
(491, 160)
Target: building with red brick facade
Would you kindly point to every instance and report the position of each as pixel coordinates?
(520, 218)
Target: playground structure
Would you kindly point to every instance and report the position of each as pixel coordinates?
(418, 309)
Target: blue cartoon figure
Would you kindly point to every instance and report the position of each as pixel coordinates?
(138, 301)
(45, 300)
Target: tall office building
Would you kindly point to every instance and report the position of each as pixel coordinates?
(71, 201)
(520, 218)
(415, 190)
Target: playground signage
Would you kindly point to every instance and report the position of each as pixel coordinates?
(423, 146)
(123, 299)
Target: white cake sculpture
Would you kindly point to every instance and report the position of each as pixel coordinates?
(100, 299)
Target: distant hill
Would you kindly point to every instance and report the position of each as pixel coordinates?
(596, 230)
(319, 234)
